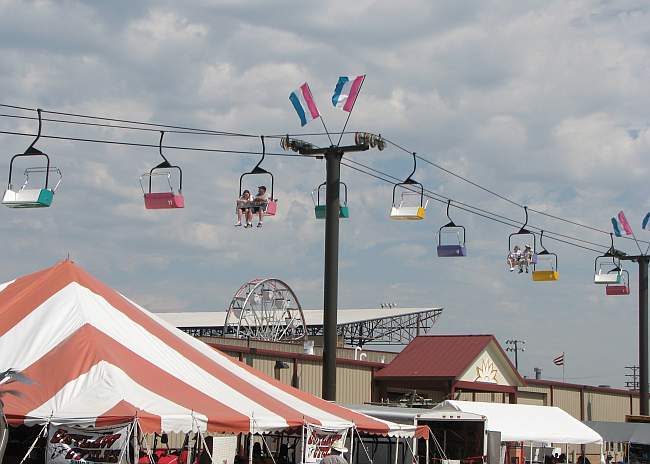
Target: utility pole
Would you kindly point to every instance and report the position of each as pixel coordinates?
(513, 345)
(642, 261)
(333, 155)
(634, 383)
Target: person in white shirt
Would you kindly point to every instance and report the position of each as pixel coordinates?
(243, 210)
(514, 257)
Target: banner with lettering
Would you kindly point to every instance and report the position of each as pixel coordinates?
(320, 440)
(70, 445)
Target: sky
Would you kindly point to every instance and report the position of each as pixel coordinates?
(542, 101)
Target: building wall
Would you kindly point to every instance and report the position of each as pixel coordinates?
(598, 404)
(569, 400)
(353, 378)
(383, 357)
(606, 406)
(532, 398)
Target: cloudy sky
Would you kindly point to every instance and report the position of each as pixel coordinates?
(543, 101)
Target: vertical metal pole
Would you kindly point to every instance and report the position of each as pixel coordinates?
(331, 278)
(4, 433)
(516, 357)
(643, 335)
(396, 449)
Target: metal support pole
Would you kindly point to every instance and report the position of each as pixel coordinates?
(331, 279)
(333, 157)
(516, 357)
(643, 335)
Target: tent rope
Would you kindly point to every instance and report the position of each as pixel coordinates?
(43, 432)
(363, 446)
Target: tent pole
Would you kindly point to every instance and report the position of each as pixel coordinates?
(250, 448)
(350, 455)
(531, 452)
(136, 439)
(189, 446)
(396, 449)
(426, 461)
(303, 451)
(415, 447)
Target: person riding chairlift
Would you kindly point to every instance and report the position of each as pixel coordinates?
(514, 257)
(260, 201)
(244, 210)
(248, 206)
(527, 258)
(520, 258)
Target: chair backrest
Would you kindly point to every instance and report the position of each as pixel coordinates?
(271, 208)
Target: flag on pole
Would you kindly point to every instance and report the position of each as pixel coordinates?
(346, 92)
(559, 360)
(624, 223)
(304, 104)
(646, 222)
(617, 228)
(620, 224)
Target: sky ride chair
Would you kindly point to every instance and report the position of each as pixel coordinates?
(320, 210)
(521, 235)
(27, 196)
(163, 200)
(548, 262)
(606, 272)
(457, 246)
(270, 207)
(622, 289)
(406, 210)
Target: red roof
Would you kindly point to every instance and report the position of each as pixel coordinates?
(446, 356)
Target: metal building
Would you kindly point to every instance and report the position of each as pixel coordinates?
(356, 327)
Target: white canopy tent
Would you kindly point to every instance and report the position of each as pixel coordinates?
(521, 422)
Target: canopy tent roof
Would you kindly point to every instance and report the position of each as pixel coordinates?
(96, 358)
(622, 432)
(522, 422)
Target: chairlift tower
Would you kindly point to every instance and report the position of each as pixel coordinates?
(332, 155)
(642, 260)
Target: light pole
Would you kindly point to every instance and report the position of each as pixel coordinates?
(514, 345)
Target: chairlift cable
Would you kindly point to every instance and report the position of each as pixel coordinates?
(195, 131)
(513, 222)
(498, 195)
(182, 129)
(102, 118)
(114, 126)
(149, 145)
(486, 216)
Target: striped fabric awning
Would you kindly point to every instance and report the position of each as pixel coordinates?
(97, 358)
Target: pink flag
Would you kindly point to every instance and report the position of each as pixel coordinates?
(624, 223)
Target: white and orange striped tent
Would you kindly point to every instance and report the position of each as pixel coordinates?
(97, 358)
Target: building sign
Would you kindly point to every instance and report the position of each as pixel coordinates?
(68, 445)
(486, 371)
(320, 440)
